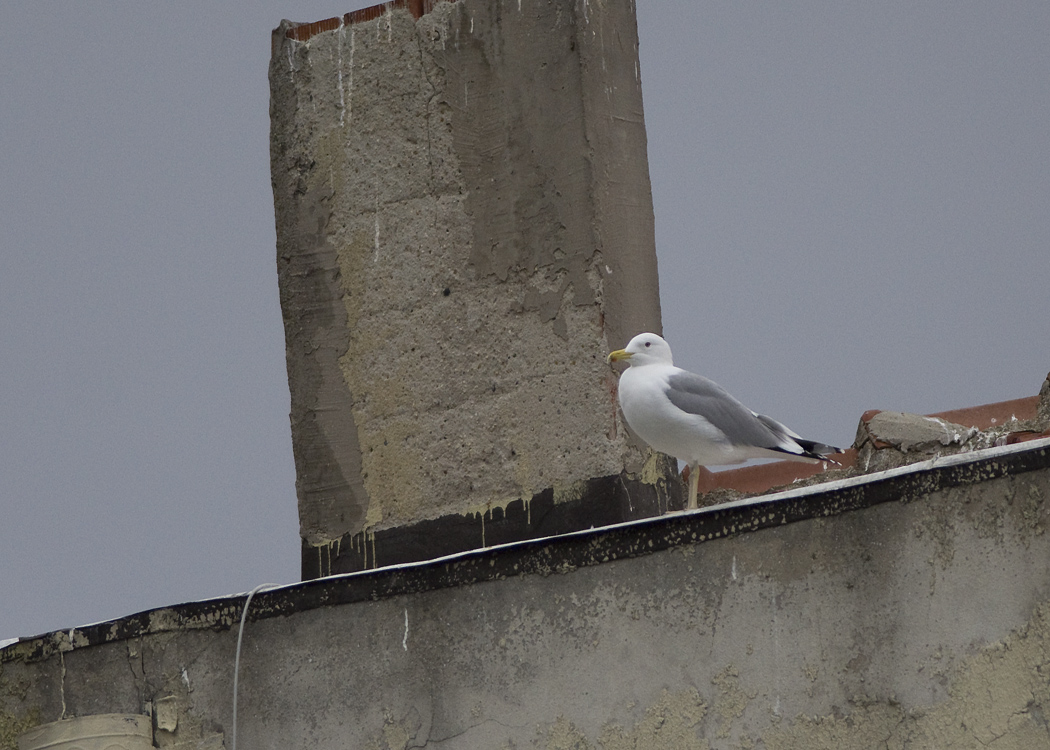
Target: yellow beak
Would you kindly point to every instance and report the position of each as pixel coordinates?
(618, 355)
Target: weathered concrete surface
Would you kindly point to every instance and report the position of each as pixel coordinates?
(601, 501)
(917, 622)
(464, 227)
(887, 439)
(909, 432)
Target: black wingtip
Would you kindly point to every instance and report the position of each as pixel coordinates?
(819, 451)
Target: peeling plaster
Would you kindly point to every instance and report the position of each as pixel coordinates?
(998, 698)
(11, 726)
(669, 722)
(14, 723)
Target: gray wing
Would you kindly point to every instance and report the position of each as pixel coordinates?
(696, 394)
(810, 448)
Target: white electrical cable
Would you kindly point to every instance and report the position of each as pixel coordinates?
(237, 658)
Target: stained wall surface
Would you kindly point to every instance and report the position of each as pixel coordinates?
(921, 620)
(464, 230)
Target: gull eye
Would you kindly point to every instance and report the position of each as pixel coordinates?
(648, 344)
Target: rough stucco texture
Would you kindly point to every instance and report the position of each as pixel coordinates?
(921, 624)
(465, 228)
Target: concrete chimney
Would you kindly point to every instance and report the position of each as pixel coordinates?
(464, 230)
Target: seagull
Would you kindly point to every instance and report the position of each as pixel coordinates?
(695, 419)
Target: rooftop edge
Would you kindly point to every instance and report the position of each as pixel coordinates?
(558, 554)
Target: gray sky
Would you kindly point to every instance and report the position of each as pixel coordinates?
(852, 211)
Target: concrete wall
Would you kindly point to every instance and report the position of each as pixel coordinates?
(464, 230)
(909, 609)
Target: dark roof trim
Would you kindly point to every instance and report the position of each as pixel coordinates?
(564, 553)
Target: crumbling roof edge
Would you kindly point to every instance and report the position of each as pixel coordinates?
(937, 462)
(302, 32)
(559, 554)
